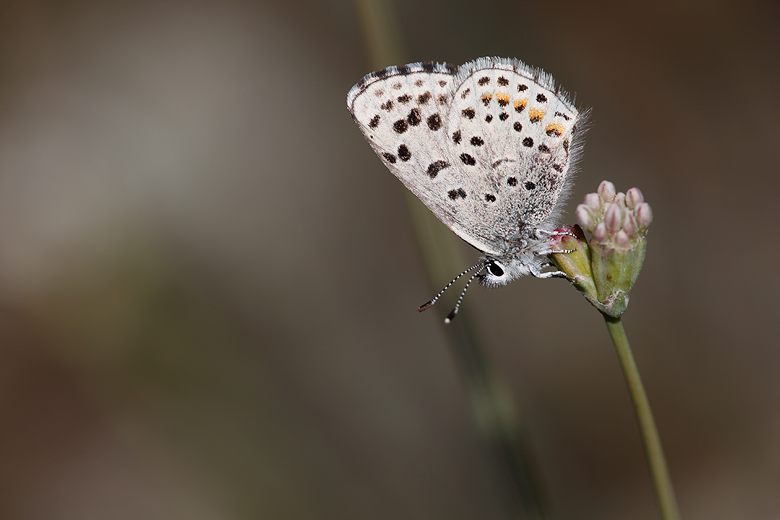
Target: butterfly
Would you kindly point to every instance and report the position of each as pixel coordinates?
(489, 147)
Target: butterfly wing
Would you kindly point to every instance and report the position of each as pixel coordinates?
(451, 136)
(512, 130)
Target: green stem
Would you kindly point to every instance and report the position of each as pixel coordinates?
(653, 450)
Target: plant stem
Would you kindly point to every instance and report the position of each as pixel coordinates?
(652, 442)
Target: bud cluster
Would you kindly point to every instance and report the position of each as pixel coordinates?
(616, 219)
(605, 267)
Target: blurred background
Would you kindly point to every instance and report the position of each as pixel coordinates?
(208, 281)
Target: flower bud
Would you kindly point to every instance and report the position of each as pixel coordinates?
(614, 218)
(584, 217)
(594, 202)
(622, 239)
(629, 225)
(606, 191)
(634, 198)
(600, 233)
(644, 215)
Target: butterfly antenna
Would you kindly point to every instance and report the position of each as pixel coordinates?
(430, 302)
(451, 315)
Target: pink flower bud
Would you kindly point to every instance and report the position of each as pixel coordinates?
(634, 198)
(607, 191)
(593, 201)
(613, 218)
(630, 225)
(600, 233)
(584, 217)
(644, 215)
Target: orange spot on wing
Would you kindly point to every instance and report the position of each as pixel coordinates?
(535, 115)
(555, 129)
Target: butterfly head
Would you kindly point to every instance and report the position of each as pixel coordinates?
(494, 274)
(501, 271)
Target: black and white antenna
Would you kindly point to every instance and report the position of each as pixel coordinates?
(433, 300)
(453, 312)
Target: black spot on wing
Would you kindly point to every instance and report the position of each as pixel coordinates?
(435, 167)
(434, 122)
(414, 117)
(455, 194)
(467, 159)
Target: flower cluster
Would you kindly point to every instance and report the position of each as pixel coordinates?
(605, 267)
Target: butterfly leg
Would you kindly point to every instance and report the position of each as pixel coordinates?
(537, 232)
(545, 252)
(550, 274)
(537, 272)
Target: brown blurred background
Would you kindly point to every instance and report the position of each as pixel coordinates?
(208, 281)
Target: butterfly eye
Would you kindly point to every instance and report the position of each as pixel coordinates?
(495, 269)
